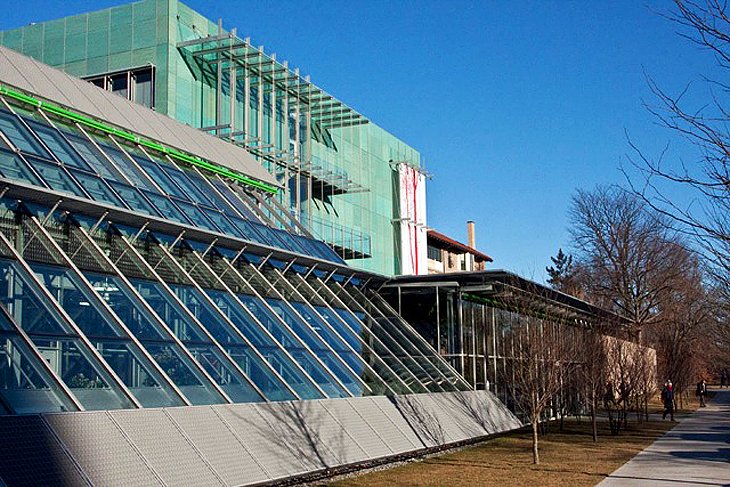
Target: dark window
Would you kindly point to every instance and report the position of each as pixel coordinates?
(434, 253)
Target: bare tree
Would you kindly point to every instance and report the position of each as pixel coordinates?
(591, 371)
(704, 124)
(624, 250)
(541, 359)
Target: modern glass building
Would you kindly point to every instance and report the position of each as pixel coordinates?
(143, 272)
(339, 173)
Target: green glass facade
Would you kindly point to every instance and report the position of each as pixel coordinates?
(334, 166)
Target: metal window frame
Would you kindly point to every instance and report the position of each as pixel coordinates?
(281, 321)
(341, 304)
(314, 333)
(161, 325)
(407, 339)
(258, 323)
(365, 344)
(94, 353)
(399, 343)
(326, 323)
(191, 316)
(110, 312)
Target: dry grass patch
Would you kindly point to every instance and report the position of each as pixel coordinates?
(567, 458)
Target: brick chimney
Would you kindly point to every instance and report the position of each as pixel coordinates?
(470, 233)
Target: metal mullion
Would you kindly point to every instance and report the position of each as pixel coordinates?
(286, 325)
(228, 322)
(408, 326)
(322, 319)
(408, 370)
(80, 275)
(36, 137)
(65, 390)
(273, 211)
(321, 340)
(418, 336)
(357, 335)
(258, 323)
(119, 174)
(159, 321)
(72, 324)
(385, 330)
(189, 314)
(137, 166)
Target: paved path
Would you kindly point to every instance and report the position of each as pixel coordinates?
(695, 453)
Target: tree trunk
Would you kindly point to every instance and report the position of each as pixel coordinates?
(535, 453)
(594, 422)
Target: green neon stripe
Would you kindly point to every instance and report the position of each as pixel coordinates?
(174, 153)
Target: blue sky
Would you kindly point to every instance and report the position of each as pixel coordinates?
(513, 105)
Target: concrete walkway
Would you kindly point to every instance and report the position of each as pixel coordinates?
(695, 453)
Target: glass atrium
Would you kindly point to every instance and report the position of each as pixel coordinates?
(131, 279)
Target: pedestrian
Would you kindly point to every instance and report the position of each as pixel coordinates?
(701, 392)
(668, 399)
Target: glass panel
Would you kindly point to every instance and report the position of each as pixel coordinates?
(159, 177)
(222, 222)
(19, 135)
(204, 186)
(60, 148)
(123, 164)
(143, 88)
(55, 176)
(190, 190)
(393, 355)
(197, 216)
(166, 207)
(289, 342)
(188, 332)
(233, 200)
(133, 198)
(168, 356)
(303, 332)
(65, 353)
(265, 345)
(25, 385)
(97, 188)
(94, 158)
(13, 167)
(124, 357)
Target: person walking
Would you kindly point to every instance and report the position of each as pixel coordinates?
(701, 392)
(668, 399)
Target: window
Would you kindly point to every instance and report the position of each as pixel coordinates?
(137, 85)
(434, 253)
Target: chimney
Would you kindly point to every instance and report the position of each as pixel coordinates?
(470, 233)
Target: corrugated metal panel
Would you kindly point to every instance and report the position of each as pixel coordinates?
(385, 418)
(420, 414)
(272, 452)
(106, 106)
(223, 450)
(462, 416)
(104, 454)
(165, 448)
(358, 428)
(341, 441)
(297, 425)
(30, 455)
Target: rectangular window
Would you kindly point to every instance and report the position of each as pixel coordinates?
(434, 253)
(136, 84)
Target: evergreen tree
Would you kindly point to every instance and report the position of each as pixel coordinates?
(561, 271)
